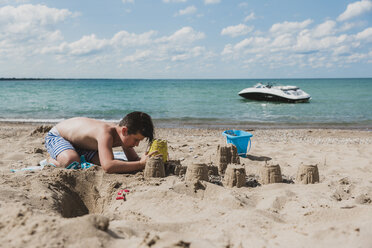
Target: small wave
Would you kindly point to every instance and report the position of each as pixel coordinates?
(52, 121)
(23, 120)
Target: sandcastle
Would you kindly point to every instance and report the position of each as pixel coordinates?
(307, 174)
(197, 172)
(174, 167)
(271, 174)
(154, 167)
(234, 176)
(226, 155)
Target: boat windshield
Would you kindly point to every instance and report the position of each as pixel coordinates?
(259, 85)
(294, 92)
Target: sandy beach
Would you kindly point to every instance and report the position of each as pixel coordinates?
(78, 208)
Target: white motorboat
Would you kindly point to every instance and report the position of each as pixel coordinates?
(269, 92)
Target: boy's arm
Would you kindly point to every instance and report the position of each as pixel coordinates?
(131, 154)
(110, 165)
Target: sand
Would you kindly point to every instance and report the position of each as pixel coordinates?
(71, 208)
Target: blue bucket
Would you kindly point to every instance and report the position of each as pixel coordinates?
(240, 139)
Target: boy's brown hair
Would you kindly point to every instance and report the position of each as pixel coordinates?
(139, 122)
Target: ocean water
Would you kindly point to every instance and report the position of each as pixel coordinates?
(344, 103)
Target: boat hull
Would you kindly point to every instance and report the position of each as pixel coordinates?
(270, 97)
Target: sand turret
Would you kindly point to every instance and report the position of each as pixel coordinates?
(197, 172)
(227, 154)
(271, 173)
(154, 167)
(307, 174)
(234, 176)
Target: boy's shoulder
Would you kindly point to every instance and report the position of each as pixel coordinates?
(86, 125)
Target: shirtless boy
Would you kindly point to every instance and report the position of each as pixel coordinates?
(94, 139)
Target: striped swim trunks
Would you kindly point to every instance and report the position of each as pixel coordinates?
(55, 144)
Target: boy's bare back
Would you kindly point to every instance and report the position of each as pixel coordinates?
(84, 132)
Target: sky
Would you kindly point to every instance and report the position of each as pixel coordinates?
(157, 39)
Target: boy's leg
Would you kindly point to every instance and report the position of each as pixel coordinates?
(51, 160)
(61, 151)
(67, 157)
(64, 159)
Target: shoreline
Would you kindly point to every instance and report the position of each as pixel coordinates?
(299, 135)
(219, 126)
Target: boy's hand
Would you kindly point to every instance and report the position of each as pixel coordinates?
(146, 156)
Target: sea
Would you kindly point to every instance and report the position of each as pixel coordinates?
(344, 103)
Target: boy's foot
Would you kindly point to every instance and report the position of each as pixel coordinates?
(45, 162)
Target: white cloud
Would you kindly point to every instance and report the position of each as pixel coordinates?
(304, 42)
(91, 45)
(211, 1)
(183, 35)
(187, 11)
(244, 43)
(138, 56)
(125, 39)
(27, 28)
(298, 44)
(287, 27)
(227, 50)
(13, 1)
(366, 34)
(134, 48)
(250, 17)
(127, 1)
(307, 43)
(237, 30)
(332, 41)
(356, 57)
(174, 1)
(325, 29)
(341, 50)
(355, 9)
(347, 26)
(19, 19)
(248, 45)
(87, 45)
(192, 53)
(178, 46)
(283, 40)
(175, 47)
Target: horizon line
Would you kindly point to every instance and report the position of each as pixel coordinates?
(52, 78)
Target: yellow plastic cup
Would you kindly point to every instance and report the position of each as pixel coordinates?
(161, 146)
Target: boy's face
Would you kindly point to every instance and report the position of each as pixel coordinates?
(132, 140)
